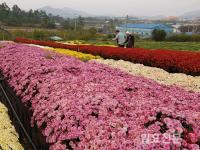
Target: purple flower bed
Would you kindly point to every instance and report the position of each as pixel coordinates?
(80, 105)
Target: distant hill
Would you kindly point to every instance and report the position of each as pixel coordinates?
(192, 14)
(65, 12)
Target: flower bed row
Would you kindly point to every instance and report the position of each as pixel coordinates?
(8, 136)
(80, 105)
(79, 55)
(171, 61)
(159, 75)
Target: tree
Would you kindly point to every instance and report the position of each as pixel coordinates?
(4, 12)
(93, 31)
(16, 10)
(158, 35)
(67, 24)
(18, 17)
(80, 22)
(50, 25)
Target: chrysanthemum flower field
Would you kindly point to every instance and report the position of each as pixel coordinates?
(99, 104)
(159, 75)
(172, 61)
(8, 136)
(79, 55)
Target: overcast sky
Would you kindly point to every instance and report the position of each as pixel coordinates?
(116, 7)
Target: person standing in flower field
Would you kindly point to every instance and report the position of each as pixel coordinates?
(130, 40)
(120, 38)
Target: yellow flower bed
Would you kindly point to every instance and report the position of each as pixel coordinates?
(79, 55)
(75, 42)
(8, 136)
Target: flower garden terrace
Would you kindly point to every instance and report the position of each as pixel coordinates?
(171, 61)
(89, 105)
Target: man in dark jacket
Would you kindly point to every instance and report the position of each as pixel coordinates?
(130, 40)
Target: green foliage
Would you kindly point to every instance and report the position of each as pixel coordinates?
(74, 24)
(67, 24)
(4, 36)
(38, 34)
(184, 38)
(80, 21)
(106, 37)
(137, 37)
(45, 34)
(158, 35)
(191, 46)
(92, 31)
(16, 17)
(86, 34)
(110, 36)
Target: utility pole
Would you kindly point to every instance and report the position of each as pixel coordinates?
(75, 23)
(126, 22)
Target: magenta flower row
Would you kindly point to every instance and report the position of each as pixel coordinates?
(79, 105)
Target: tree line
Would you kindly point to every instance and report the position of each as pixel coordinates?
(15, 16)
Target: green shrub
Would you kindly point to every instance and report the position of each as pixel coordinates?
(38, 34)
(44, 34)
(158, 35)
(137, 37)
(184, 38)
(4, 36)
(195, 38)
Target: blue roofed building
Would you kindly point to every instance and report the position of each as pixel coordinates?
(144, 30)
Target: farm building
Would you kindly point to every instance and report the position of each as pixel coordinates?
(144, 30)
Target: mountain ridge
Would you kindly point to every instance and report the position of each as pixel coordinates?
(65, 12)
(191, 14)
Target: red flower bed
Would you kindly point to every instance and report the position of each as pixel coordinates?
(171, 61)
